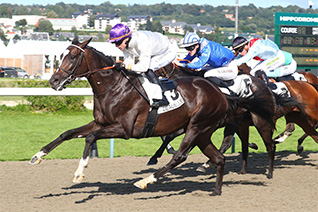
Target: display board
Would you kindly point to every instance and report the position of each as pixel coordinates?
(297, 33)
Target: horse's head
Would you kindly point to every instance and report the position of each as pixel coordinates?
(75, 63)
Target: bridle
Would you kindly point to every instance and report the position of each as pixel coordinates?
(72, 73)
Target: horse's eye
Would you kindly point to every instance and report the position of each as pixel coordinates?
(72, 57)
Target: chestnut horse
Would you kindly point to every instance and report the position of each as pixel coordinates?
(290, 127)
(120, 111)
(284, 107)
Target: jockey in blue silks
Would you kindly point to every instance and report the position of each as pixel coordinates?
(273, 62)
(154, 51)
(213, 58)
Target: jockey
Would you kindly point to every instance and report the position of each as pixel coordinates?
(272, 61)
(213, 58)
(154, 51)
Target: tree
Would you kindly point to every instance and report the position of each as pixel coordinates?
(74, 30)
(52, 14)
(22, 22)
(45, 26)
(108, 28)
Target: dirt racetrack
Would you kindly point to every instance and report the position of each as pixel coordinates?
(109, 186)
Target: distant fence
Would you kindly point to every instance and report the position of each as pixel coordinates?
(51, 92)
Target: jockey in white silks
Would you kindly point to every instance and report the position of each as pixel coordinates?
(273, 62)
(154, 51)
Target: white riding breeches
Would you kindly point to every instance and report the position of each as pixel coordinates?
(278, 61)
(283, 70)
(227, 72)
(159, 61)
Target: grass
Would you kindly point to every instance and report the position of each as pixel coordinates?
(25, 133)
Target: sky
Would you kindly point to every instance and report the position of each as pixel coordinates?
(257, 3)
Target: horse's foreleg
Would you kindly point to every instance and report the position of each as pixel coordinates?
(300, 148)
(111, 131)
(243, 134)
(185, 147)
(290, 127)
(80, 132)
(266, 132)
(228, 133)
(165, 142)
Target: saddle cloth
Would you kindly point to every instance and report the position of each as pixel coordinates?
(241, 86)
(280, 89)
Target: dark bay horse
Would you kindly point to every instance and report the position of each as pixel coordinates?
(238, 123)
(120, 111)
(308, 97)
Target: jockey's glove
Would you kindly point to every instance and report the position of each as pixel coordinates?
(120, 66)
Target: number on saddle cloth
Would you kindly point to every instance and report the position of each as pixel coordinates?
(280, 89)
(240, 86)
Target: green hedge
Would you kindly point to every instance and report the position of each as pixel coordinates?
(31, 83)
(48, 103)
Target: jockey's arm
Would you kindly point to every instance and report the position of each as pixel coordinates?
(252, 52)
(203, 59)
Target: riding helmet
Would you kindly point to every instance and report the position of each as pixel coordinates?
(190, 39)
(239, 42)
(119, 32)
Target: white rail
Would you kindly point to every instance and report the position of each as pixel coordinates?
(45, 92)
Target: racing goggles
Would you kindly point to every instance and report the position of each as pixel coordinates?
(190, 48)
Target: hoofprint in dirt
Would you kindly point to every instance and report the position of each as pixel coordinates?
(108, 185)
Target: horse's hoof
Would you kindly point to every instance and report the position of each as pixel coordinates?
(152, 161)
(242, 172)
(253, 146)
(270, 176)
(171, 151)
(140, 184)
(215, 193)
(300, 149)
(201, 169)
(35, 160)
(78, 179)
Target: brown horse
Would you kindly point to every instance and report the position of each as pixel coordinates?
(236, 124)
(120, 111)
(308, 97)
(287, 107)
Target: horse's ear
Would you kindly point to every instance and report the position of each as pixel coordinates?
(75, 40)
(86, 42)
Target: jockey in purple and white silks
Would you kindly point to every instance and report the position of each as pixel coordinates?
(154, 51)
(212, 57)
(273, 61)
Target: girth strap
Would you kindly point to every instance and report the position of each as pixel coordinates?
(150, 124)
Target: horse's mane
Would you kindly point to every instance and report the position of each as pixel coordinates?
(106, 59)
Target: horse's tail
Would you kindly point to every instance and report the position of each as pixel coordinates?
(289, 102)
(260, 103)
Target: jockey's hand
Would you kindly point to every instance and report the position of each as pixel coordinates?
(120, 66)
(177, 63)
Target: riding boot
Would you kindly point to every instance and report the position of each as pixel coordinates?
(152, 77)
(262, 75)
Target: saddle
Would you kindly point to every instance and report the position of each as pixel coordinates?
(283, 78)
(175, 101)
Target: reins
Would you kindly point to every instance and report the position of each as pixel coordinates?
(72, 75)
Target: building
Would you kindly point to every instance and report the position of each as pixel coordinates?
(179, 27)
(134, 21)
(62, 23)
(173, 26)
(82, 18)
(204, 29)
(103, 20)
